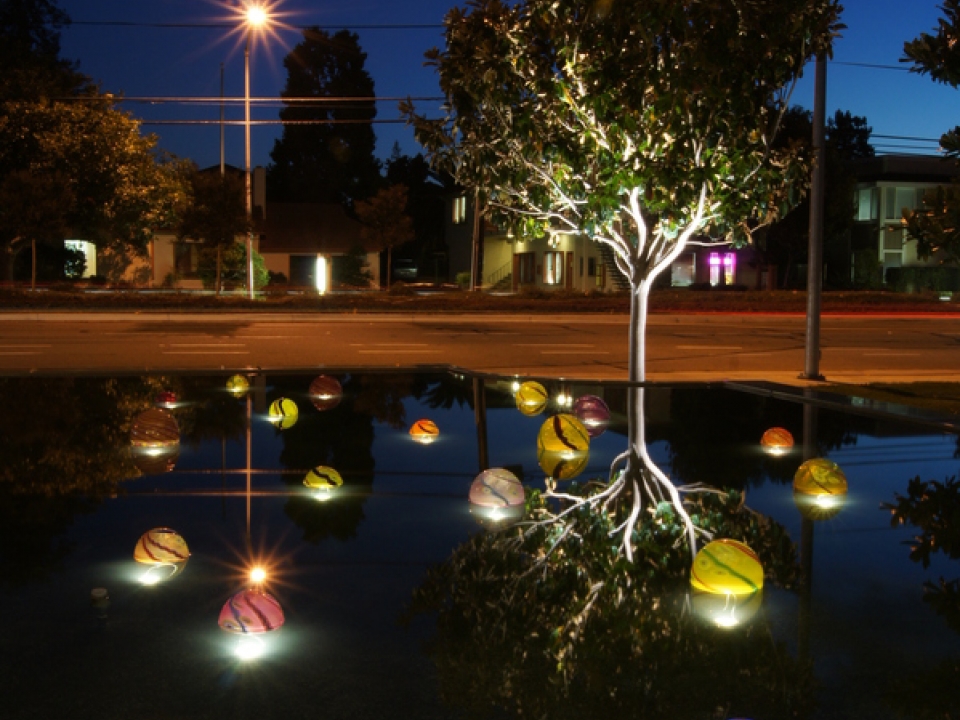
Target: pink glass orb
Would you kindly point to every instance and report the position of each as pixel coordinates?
(593, 412)
(251, 612)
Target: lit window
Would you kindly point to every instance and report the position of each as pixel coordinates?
(552, 268)
(729, 268)
(460, 210)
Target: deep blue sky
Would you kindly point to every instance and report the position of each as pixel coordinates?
(138, 60)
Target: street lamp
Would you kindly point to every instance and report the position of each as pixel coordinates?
(256, 17)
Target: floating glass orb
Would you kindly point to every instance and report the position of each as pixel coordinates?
(156, 460)
(237, 384)
(251, 612)
(593, 412)
(424, 431)
(497, 518)
(727, 567)
(325, 392)
(167, 399)
(563, 434)
(496, 487)
(819, 489)
(531, 398)
(154, 428)
(777, 441)
(324, 480)
(165, 551)
(724, 610)
(563, 465)
(283, 413)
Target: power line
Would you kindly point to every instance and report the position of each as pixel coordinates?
(274, 122)
(874, 66)
(217, 100)
(233, 25)
(905, 137)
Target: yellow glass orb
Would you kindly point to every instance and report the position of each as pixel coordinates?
(820, 476)
(283, 413)
(819, 489)
(237, 384)
(725, 611)
(323, 477)
(424, 431)
(531, 398)
(727, 567)
(161, 546)
(777, 441)
(563, 434)
(563, 465)
(154, 428)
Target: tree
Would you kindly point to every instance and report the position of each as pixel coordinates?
(330, 158)
(216, 214)
(786, 241)
(640, 128)
(934, 226)
(32, 207)
(385, 222)
(30, 53)
(425, 206)
(120, 192)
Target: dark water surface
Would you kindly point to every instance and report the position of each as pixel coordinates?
(74, 500)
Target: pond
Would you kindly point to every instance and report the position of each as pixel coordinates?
(385, 596)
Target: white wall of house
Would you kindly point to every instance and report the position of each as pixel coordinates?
(883, 203)
(562, 262)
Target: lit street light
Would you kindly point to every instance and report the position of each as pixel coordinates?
(256, 17)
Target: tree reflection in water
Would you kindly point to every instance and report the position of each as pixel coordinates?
(551, 618)
(548, 619)
(933, 508)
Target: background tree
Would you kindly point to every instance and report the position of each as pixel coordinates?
(786, 241)
(385, 222)
(425, 206)
(215, 215)
(30, 53)
(121, 192)
(32, 209)
(934, 226)
(326, 161)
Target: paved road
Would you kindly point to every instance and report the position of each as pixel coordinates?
(771, 347)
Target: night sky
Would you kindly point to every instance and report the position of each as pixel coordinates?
(121, 45)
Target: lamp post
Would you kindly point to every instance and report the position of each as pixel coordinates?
(256, 17)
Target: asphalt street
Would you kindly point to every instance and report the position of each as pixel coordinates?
(855, 348)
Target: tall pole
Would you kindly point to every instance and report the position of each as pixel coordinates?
(811, 368)
(222, 163)
(248, 182)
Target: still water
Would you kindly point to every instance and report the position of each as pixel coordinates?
(353, 571)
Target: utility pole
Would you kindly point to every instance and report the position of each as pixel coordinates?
(811, 369)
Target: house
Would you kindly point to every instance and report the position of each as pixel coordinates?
(301, 241)
(308, 242)
(510, 262)
(886, 186)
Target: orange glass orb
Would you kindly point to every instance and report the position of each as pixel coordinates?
(424, 431)
(154, 428)
(777, 441)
